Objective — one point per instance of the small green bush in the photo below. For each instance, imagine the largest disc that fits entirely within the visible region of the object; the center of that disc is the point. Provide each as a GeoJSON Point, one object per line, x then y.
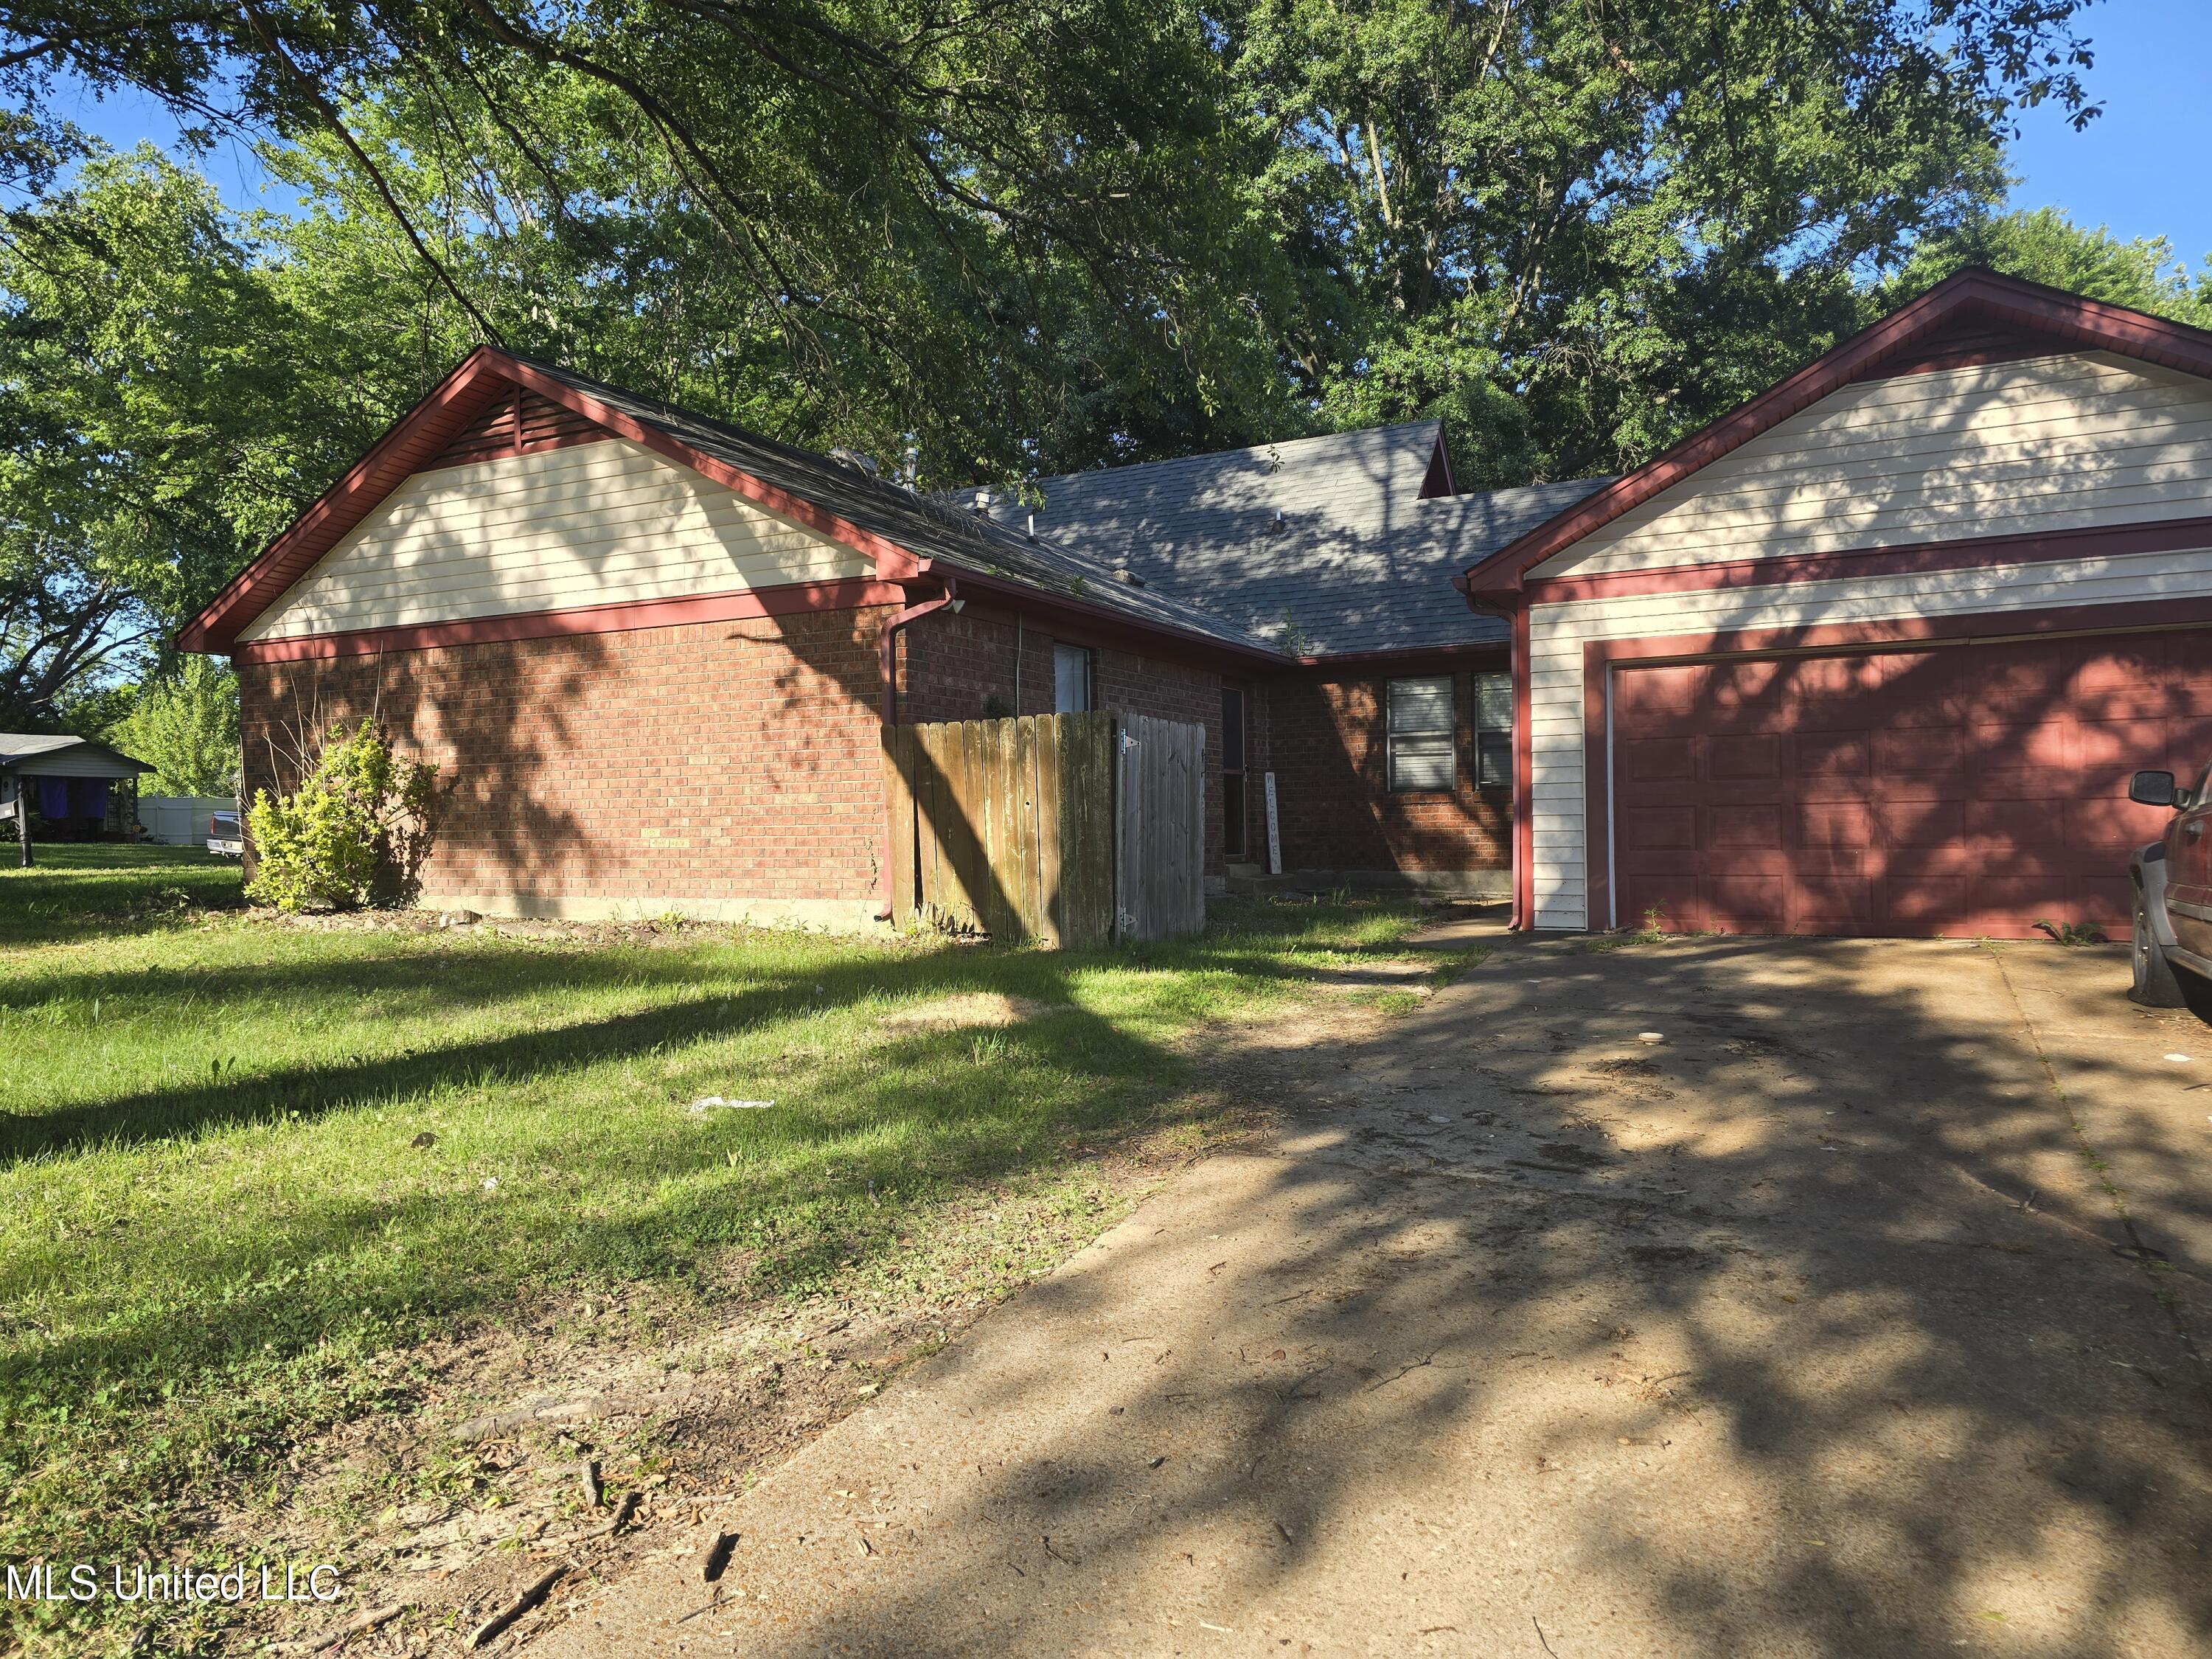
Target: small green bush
{"type": "Point", "coordinates": [359, 816]}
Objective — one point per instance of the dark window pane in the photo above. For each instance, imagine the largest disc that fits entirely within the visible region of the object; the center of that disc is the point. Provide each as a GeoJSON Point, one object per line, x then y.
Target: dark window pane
{"type": "Point", "coordinates": [1071, 679]}
{"type": "Point", "coordinates": [1496, 758]}
{"type": "Point", "coordinates": [1232, 815]}
{"type": "Point", "coordinates": [1232, 730]}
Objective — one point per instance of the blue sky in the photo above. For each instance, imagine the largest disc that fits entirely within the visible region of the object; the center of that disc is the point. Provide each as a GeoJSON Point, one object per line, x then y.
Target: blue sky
{"type": "Point", "coordinates": [2143, 169]}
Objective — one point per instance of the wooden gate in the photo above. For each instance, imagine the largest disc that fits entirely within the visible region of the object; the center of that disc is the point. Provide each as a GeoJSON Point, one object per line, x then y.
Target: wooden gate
{"type": "Point", "coordinates": [1159, 817]}
{"type": "Point", "coordinates": [1069, 829]}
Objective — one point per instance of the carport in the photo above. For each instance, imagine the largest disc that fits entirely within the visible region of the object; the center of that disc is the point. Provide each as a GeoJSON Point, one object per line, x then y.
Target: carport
{"type": "Point", "coordinates": [67, 783]}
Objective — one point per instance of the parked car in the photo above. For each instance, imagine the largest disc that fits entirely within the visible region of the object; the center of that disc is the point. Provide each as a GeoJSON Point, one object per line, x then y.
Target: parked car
{"type": "Point", "coordinates": [224, 836]}
{"type": "Point", "coordinates": [2173, 896]}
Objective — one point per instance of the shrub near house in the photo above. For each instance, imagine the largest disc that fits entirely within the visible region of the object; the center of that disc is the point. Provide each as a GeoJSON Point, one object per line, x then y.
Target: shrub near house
{"type": "Point", "coordinates": [358, 816]}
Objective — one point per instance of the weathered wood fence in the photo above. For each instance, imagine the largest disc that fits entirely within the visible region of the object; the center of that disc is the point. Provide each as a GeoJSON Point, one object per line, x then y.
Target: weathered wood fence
{"type": "Point", "coordinates": [1069, 829]}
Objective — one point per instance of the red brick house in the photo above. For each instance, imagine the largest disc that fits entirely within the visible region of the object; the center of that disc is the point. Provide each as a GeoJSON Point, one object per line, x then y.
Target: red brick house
{"type": "Point", "coordinates": [651, 654]}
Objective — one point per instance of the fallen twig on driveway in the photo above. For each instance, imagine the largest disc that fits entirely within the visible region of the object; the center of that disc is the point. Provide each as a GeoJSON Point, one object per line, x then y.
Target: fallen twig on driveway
{"type": "Point", "coordinates": [514, 1610]}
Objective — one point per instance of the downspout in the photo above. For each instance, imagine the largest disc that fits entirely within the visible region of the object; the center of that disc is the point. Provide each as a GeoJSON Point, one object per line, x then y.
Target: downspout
{"type": "Point", "coordinates": [1523, 830]}
{"type": "Point", "coordinates": [887, 666]}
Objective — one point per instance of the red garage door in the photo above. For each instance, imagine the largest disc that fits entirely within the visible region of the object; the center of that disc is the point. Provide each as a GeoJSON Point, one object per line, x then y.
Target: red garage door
{"type": "Point", "coordinates": [1967, 790]}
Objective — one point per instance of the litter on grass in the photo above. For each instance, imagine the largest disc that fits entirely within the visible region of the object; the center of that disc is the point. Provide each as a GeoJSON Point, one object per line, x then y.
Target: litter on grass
{"type": "Point", "coordinates": [717, 1102]}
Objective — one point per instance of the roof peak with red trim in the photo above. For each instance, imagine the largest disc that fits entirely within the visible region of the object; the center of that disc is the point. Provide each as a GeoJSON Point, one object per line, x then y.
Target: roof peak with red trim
{"type": "Point", "coordinates": [1983, 316]}
{"type": "Point", "coordinates": [905, 533]}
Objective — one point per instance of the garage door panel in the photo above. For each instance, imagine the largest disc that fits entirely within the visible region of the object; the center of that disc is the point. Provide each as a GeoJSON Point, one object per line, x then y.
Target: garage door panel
{"type": "Point", "coordinates": [1661, 828]}
{"type": "Point", "coordinates": [1937, 748]}
{"type": "Point", "coordinates": [1911, 904]}
{"type": "Point", "coordinates": [1745, 828]}
{"type": "Point", "coordinates": [1958, 790]}
{"type": "Point", "coordinates": [1834, 824]}
{"type": "Point", "coordinates": [1829, 904]}
{"type": "Point", "coordinates": [2117, 745]}
{"type": "Point", "coordinates": [1839, 754]}
{"type": "Point", "coordinates": [1657, 760]}
{"type": "Point", "coordinates": [1992, 827]}
{"type": "Point", "coordinates": [1673, 903]}
{"type": "Point", "coordinates": [1748, 904]}
{"type": "Point", "coordinates": [1736, 758]}
{"type": "Point", "coordinates": [2113, 821]}
{"type": "Point", "coordinates": [1920, 823]}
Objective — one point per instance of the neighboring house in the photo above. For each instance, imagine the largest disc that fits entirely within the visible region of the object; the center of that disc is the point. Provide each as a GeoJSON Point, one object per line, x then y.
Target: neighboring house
{"type": "Point", "coordinates": [652, 652]}
{"type": "Point", "coordinates": [1877, 652]}
{"type": "Point", "coordinates": [68, 784]}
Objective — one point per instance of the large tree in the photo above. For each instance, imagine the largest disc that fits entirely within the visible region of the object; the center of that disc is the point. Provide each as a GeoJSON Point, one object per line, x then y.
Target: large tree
{"type": "Point", "coordinates": [142, 380]}
{"type": "Point", "coordinates": [1038, 236]}
{"type": "Point", "coordinates": [1577, 228]}
{"type": "Point", "coordinates": [1024, 238]}
{"type": "Point", "coordinates": [2043, 246]}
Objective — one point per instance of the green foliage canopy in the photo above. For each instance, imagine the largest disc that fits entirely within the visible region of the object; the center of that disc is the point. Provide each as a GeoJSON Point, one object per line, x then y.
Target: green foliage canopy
{"type": "Point", "coordinates": [187, 729]}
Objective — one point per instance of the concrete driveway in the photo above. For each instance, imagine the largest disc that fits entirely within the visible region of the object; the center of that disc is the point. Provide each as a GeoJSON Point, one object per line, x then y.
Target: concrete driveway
{"type": "Point", "coordinates": [1859, 1315]}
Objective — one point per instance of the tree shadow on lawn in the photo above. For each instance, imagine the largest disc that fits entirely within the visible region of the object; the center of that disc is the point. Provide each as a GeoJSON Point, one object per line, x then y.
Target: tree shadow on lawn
{"type": "Point", "coordinates": [487, 977]}
{"type": "Point", "coordinates": [1744, 1345]}
{"type": "Point", "coordinates": [923, 1114]}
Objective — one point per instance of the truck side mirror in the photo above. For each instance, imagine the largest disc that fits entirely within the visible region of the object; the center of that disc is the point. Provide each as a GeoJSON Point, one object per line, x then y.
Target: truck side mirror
{"type": "Point", "coordinates": [2152, 789]}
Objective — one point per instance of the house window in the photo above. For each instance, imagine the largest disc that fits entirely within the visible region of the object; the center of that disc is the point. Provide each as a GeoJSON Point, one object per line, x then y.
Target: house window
{"type": "Point", "coordinates": [1071, 679]}
{"type": "Point", "coordinates": [1233, 831]}
{"type": "Point", "coordinates": [1420, 734]}
{"type": "Point", "coordinates": [1493, 731]}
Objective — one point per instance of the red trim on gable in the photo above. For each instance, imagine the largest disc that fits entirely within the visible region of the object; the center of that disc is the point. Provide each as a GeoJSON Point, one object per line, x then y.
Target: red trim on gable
{"type": "Point", "coordinates": [414, 439]}
{"type": "Point", "coordinates": [893, 562]}
{"type": "Point", "coordinates": [2068, 321]}
{"type": "Point", "coordinates": [425, 432]}
{"type": "Point", "coordinates": [783, 600]}
{"type": "Point", "coordinates": [2089, 541]}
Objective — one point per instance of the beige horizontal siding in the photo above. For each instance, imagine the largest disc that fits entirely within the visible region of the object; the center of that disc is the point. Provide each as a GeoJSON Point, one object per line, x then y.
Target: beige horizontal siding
{"type": "Point", "coordinates": [1558, 633]}
{"type": "Point", "coordinates": [2061, 442]}
{"type": "Point", "coordinates": [606, 523]}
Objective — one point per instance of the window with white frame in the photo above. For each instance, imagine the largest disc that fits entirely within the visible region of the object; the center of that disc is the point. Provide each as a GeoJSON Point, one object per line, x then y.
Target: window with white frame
{"type": "Point", "coordinates": [1420, 734]}
{"type": "Point", "coordinates": [1071, 679]}
{"type": "Point", "coordinates": [1493, 731]}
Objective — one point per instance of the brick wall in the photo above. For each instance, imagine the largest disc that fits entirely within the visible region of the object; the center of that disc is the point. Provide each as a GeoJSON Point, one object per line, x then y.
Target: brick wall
{"type": "Point", "coordinates": [1327, 746]}
{"type": "Point", "coordinates": [952, 664]}
{"type": "Point", "coordinates": [724, 768]}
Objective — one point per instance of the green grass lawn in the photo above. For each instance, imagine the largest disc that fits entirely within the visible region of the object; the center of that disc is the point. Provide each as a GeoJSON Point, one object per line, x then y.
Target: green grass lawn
{"type": "Point", "coordinates": [217, 1224]}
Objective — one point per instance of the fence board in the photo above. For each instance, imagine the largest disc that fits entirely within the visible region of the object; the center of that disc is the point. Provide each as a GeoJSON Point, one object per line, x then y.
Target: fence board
{"type": "Point", "coordinates": [1050, 807]}
{"type": "Point", "coordinates": [1048, 827]}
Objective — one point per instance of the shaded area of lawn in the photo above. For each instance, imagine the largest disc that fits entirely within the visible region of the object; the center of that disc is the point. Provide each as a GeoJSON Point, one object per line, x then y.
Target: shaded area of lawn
{"type": "Point", "coordinates": [215, 1212]}
{"type": "Point", "coordinates": [84, 890]}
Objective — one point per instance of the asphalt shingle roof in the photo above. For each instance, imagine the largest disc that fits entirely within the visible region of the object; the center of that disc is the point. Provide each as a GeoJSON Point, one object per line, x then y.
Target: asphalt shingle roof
{"type": "Point", "coordinates": [1322, 544]}
{"type": "Point", "coordinates": [1312, 546]}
